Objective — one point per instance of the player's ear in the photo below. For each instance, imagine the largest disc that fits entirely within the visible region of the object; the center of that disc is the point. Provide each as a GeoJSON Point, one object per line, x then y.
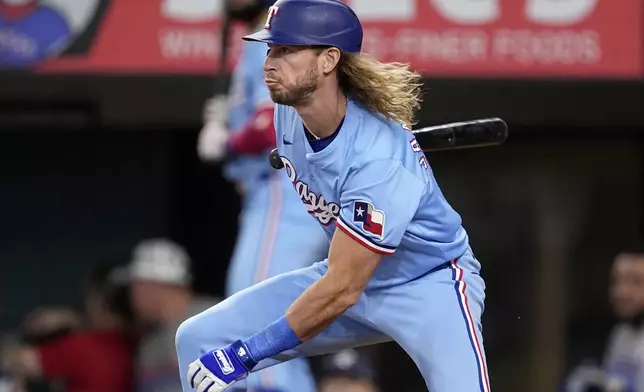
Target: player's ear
{"type": "Point", "coordinates": [330, 59]}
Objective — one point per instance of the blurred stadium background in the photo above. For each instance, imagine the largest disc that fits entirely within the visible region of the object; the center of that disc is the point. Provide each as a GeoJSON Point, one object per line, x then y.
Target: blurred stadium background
{"type": "Point", "coordinates": [99, 118]}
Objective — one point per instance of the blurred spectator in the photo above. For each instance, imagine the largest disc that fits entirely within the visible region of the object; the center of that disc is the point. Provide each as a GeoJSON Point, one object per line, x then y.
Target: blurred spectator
{"type": "Point", "coordinates": [623, 367]}
{"type": "Point", "coordinates": [161, 299]}
{"type": "Point", "coordinates": [95, 357]}
{"type": "Point", "coordinates": [624, 359]}
{"type": "Point", "coordinates": [46, 323]}
{"type": "Point", "coordinates": [347, 371]}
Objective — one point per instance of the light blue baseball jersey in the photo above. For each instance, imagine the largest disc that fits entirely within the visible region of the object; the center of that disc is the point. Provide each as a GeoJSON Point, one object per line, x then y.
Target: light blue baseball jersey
{"type": "Point", "coordinates": [373, 182]}
{"type": "Point", "coordinates": [248, 93]}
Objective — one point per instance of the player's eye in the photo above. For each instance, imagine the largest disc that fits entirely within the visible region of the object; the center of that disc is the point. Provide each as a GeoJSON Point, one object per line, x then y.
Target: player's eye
{"type": "Point", "coordinates": [279, 51]}
{"type": "Point", "coordinates": [276, 51]}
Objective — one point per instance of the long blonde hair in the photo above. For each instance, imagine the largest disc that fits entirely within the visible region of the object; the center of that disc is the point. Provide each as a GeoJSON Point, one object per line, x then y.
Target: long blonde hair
{"type": "Point", "coordinates": [390, 89]}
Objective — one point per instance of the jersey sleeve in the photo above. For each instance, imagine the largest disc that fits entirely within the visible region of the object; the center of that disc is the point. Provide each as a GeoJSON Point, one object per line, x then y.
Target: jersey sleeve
{"type": "Point", "coordinates": [378, 202]}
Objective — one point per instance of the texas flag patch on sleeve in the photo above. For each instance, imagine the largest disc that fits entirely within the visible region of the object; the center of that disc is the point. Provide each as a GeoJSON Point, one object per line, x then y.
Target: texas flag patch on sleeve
{"type": "Point", "coordinates": [372, 220]}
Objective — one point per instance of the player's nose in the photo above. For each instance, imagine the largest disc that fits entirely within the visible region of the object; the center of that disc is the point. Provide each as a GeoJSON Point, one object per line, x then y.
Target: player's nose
{"type": "Point", "coordinates": [269, 65]}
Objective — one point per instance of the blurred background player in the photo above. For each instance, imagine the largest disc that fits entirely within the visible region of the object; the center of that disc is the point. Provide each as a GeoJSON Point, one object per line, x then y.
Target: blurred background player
{"type": "Point", "coordinates": [624, 360]}
{"type": "Point", "coordinates": [161, 298]}
{"type": "Point", "coordinates": [273, 222]}
{"type": "Point", "coordinates": [347, 371]}
{"type": "Point", "coordinates": [623, 364]}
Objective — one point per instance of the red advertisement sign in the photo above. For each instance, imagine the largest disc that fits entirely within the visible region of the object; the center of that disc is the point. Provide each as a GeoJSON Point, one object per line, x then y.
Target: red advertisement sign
{"type": "Point", "coordinates": [452, 38]}
{"type": "Point", "coordinates": [549, 38]}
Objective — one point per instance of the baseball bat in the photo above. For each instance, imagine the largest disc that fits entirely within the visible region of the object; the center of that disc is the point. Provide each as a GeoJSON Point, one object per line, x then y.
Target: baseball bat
{"type": "Point", "coordinates": [221, 77]}
{"type": "Point", "coordinates": [459, 135]}
{"type": "Point", "coordinates": [465, 134]}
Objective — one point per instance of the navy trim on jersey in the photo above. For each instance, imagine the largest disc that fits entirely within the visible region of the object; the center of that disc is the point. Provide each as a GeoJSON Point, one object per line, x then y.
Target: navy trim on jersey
{"type": "Point", "coordinates": [364, 240]}
{"type": "Point", "coordinates": [318, 145]}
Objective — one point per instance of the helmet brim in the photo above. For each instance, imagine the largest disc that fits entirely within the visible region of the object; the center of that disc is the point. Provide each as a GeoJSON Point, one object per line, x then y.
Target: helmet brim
{"type": "Point", "coordinates": [270, 37]}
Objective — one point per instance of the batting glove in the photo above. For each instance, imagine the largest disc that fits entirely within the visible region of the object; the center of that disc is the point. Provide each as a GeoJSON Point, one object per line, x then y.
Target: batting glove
{"type": "Point", "coordinates": [213, 142]}
{"type": "Point", "coordinates": [213, 138]}
{"type": "Point", "coordinates": [217, 370]}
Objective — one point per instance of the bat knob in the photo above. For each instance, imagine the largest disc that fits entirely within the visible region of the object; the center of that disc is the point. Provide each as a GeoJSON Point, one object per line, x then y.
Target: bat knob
{"type": "Point", "coordinates": [275, 160]}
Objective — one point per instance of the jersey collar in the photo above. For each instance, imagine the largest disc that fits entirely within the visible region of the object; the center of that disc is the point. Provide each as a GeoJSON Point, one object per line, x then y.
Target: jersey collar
{"type": "Point", "coordinates": [351, 118]}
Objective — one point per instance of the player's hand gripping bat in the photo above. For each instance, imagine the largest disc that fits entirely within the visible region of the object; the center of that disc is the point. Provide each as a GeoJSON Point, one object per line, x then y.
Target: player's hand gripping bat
{"type": "Point", "coordinates": [466, 134]}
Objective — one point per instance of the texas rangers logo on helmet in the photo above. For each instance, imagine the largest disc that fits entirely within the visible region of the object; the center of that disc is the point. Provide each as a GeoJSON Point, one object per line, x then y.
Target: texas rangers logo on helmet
{"type": "Point", "coordinates": [311, 22]}
{"type": "Point", "coordinates": [272, 11]}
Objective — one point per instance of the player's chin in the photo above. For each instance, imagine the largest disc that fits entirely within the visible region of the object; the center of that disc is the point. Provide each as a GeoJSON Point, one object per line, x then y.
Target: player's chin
{"type": "Point", "coordinates": [279, 97]}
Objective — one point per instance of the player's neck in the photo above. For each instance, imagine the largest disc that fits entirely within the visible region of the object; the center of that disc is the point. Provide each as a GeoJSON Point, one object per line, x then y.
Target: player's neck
{"type": "Point", "coordinates": [323, 113]}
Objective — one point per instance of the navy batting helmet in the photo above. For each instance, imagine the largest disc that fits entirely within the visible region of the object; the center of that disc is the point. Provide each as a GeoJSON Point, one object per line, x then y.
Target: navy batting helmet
{"type": "Point", "coordinates": [311, 22]}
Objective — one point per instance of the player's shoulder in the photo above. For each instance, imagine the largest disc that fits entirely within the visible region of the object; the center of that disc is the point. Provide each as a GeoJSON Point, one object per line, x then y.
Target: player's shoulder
{"type": "Point", "coordinates": [375, 137]}
{"type": "Point", "coordinates": [376, 142]}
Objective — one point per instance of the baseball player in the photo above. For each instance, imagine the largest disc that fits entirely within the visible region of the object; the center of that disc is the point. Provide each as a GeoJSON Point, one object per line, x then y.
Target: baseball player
{"type": "Point", "coordinates": [272, 222]}
{"type": "Point", "coordinates": [399, 267]}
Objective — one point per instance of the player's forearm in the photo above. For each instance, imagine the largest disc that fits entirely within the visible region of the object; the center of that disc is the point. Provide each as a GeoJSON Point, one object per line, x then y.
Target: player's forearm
{"type": "Point", "coordinates": [350, 267]}
{"type": "Point", "coordinates": [319, 306]}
